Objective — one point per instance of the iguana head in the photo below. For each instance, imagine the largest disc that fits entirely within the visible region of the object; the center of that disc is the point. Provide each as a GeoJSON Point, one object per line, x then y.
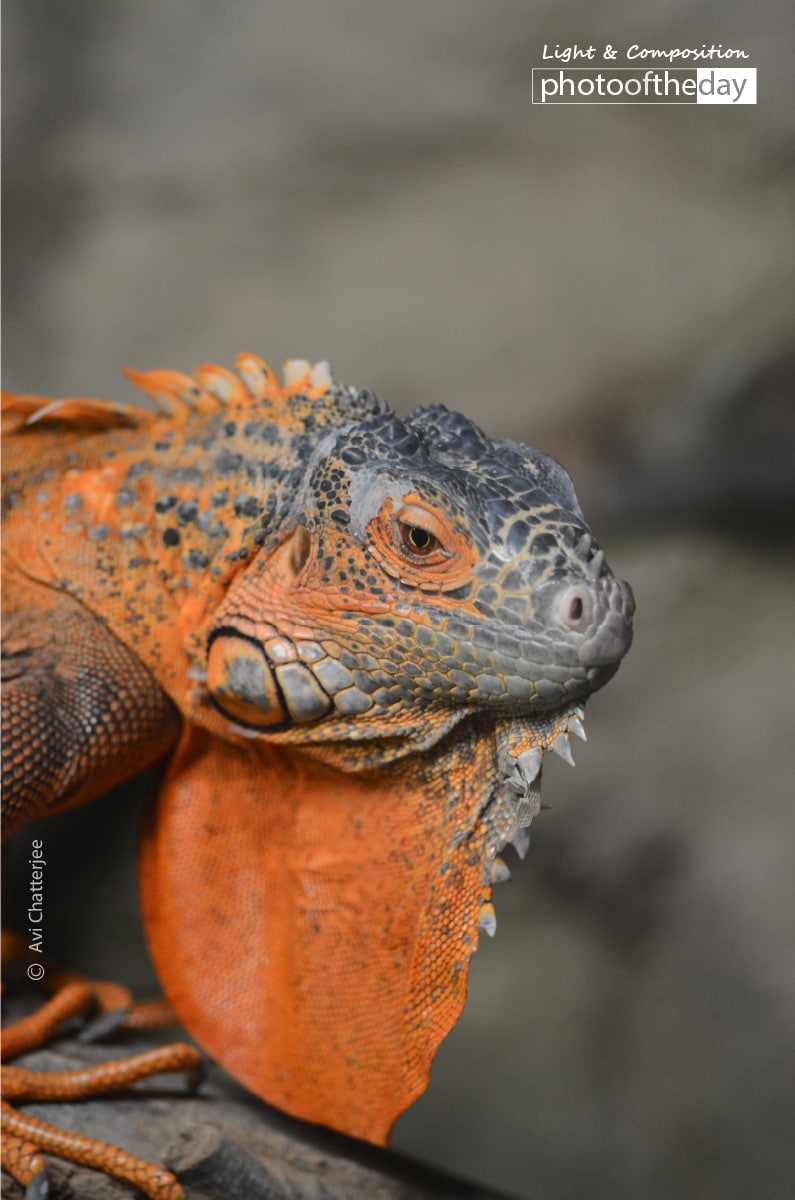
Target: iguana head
{"type": "Point", "coordinates": [429, 574]}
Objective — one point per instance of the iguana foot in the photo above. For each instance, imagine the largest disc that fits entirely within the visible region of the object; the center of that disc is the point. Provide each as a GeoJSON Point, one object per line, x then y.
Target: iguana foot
{"type": "Point", "coordinates": [136, 1017]}
{"type": "Point", "coordinates": [115, 1007]}
{"type": "Point", "coordinates": [25, 1138]}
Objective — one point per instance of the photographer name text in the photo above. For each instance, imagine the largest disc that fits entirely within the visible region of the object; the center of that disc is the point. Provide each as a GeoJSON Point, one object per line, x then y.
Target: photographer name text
{"type": "Point", "coordinates": [37, 864]}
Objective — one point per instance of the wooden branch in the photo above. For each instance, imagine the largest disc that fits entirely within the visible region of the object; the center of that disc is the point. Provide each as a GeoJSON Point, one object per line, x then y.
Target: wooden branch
{"type": "Point", "coordinates": [222, 1143]}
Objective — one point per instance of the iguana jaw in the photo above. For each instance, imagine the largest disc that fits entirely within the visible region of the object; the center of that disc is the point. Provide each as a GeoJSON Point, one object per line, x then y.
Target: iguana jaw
{"type": "Point", "coordinates": [371, 678]}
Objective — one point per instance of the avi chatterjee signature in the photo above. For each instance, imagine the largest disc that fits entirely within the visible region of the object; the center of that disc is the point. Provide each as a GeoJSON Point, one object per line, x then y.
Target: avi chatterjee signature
{"type": "Point", "coordinates": [37, 864]}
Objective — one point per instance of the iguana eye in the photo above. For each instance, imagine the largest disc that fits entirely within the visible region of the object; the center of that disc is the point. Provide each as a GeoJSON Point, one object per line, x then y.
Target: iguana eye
{"type": "Point", "coordinates": [422, 535]}
{"type": "Point", "coordinates": [418, 541]}
{"type": "Point", "coordinates": [419, 544]}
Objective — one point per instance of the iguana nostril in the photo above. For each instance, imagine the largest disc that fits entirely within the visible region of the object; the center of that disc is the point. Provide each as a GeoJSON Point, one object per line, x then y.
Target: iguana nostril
{"type": "Point", "coordinates": [576, 607]}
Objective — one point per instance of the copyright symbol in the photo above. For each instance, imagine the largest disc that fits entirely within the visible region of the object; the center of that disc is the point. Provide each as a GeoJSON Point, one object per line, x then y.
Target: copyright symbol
{"type": "Point", "coordinates": [35, 972]}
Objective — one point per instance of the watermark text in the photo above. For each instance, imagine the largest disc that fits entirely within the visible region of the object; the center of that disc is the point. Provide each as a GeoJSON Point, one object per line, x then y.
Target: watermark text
{"type": "Point", "coordinates": [644, 85]}
{"type": "Point", "coordinates": [37, 863]}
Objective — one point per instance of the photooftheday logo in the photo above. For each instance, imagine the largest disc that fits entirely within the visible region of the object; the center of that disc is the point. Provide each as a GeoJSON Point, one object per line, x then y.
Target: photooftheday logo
{"type": "Point", "coordinates": [644, 85]}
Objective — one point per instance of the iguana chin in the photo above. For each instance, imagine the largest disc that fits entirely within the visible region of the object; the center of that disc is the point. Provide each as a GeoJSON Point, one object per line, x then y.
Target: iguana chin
{"type": "Point", "coordinates": [356, 636]}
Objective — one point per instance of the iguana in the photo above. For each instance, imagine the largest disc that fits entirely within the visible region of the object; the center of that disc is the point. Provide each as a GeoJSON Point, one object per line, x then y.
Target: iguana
{"type": "Point", "coordinates": [354, 636]}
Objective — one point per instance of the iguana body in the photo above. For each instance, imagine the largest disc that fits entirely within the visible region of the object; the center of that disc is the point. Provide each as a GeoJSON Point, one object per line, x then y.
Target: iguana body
{"type": "Point", "coordinates": [355, 635]}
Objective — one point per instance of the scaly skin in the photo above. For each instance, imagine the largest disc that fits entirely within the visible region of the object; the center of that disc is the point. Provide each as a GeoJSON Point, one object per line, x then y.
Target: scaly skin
{"type": "Point", "coordinates": [356, 635]}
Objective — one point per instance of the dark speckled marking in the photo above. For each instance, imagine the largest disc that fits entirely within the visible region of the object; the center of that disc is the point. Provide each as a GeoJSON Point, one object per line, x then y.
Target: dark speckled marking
{"type": "Point", "coordinates": [190, 475]}
{"type": "Point", "coordinates": [226, 463]}
{"type": "Point", "coordinates": [171, 537]}
{"type": "Point", "coordinates": [246, 506]}
{"type": "Point", "coordinates": [187, 511]}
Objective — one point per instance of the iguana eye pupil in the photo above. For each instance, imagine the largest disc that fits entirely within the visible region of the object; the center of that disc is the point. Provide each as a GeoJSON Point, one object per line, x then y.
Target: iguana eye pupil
{"type": "Point", "coordinates": [417, 539]}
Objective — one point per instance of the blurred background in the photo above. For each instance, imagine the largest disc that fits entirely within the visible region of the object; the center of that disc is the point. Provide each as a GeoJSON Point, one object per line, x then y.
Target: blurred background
{"type": "Point", "coordinates": [370, 183]}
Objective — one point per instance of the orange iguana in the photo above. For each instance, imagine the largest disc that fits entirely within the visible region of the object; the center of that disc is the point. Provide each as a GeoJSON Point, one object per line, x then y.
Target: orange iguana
{"type": "Point", "coordinates": [354, 636]}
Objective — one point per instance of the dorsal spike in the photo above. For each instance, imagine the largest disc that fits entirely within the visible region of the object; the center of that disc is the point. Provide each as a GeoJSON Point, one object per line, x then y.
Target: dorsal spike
{"type": "Point", "coordinates": [172, 392]}
{"type": "Point", "coordinates": [222, 384]}
{"type": "Point", "coordinates": [307, 379]}
{"type": "Point", "coordinates": [80, 411]}
{"type": "Point", "coordinates": [296, 373]}
{"type": "Point", "coordinates": [260, 378]}
{"type": "Point", "coordinates": [321, 376]}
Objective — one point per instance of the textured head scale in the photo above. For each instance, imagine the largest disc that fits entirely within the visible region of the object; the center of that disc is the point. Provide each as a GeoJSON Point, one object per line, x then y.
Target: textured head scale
{"type": "Point", "coordinates": [430, 567]}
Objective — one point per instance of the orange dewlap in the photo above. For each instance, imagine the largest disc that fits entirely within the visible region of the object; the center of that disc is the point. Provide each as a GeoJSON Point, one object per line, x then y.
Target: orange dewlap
{"type": "Point", "coordinates": [315, 938]}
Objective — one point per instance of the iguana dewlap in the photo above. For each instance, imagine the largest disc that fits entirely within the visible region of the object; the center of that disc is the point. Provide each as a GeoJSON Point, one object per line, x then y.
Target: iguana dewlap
{"type": "Point", "coordinates": [355, 635]}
